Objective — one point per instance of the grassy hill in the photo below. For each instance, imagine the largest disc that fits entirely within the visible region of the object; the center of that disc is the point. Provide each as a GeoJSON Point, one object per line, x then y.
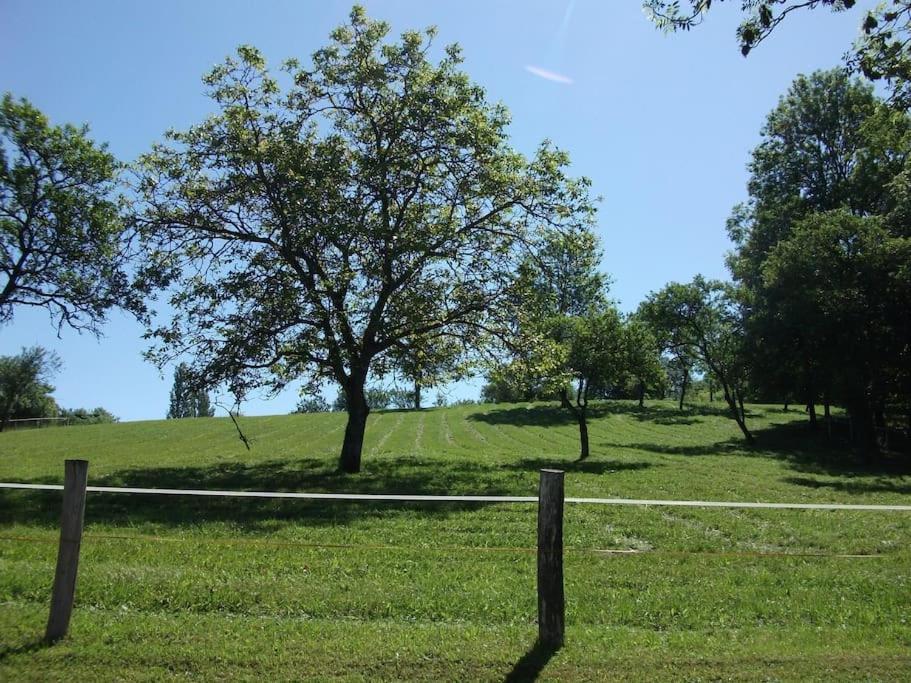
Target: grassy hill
{"type": "Point", "coordinates": [291, 589]}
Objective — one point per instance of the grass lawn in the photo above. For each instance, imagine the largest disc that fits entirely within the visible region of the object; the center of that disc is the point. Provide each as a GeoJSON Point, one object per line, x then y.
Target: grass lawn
{"type": "Point", "coordinates": [290, 589]}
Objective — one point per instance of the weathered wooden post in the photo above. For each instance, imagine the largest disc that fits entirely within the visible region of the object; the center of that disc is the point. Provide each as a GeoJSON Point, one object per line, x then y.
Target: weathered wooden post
{"type": "Point", "coordinates": [551, 607]}
{"type": "Point", "coordinates": [71, 518]}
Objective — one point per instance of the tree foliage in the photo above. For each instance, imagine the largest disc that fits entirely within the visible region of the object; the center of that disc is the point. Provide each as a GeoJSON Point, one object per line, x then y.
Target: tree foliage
{"type": "Point", "coordinates": [704, 320]}
{"type": "Point", "coordinates": [188, 399]}
{"type": "Point", "coordinates": [62, 241]}
{"type": "Point", "coordinates": [24, 384]}
{"type": "Point", "coordinates": [308, 232]}
{"type": "Point", "coordinates": [847, 280]}
{"type": "Point", "coordinates": [882, 50]}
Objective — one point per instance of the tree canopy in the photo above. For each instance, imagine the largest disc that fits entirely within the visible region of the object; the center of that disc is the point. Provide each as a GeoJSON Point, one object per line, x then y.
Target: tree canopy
{"type": "Point", "coordinates": [881, 51]}
{"type": "Point", "coordinates": [306, 231]}
{"type": "Point", "coordinates": [25, 384]}
{"type": "Point", "coordinates": [62, 240]}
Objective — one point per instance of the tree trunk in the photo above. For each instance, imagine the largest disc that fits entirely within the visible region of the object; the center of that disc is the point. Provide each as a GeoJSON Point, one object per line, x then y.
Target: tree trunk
{"type": "Point", "coordinates": [711, 393]}
{"type": "Point", "coordinates": [786, 406]}
{"type": "Point", "coordinates": [827, 413]}
{"type": "Point", "coordinates": [686, 377]}
{"type": "Point", "coordinates": [641, 394]}
{"type": "Point", "coordinates": [350, 459]}
{"type": "Point", "coordinates": [730, 397]}
{"type": "Point", "coordinates": [743, 412]}
{"type": "Point", "coordinates": [864, 426]}
{"type": "Point", "coordinates": [811, 411]}
{"type": "Point", "coordinates": [417, 395]}
{"type": "Point", "coordinates": [583, 434]}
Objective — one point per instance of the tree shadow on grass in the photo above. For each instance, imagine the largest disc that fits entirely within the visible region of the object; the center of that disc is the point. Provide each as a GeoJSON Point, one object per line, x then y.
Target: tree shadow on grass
{"type": "Point", "coordinates": [552, 415]}
{"type": "Point", "coordinates": [388, 476]}
{"type": "Point", "coordinates": [29, 646]}
{"type": "Point", "coordinates": [852, 486]}
{"type": "Point", "coordinates": [532, 663]}
{"type": "Point", "coordinates": [804, 450]}
{"type": "Point", "coordinates": [583, 466]}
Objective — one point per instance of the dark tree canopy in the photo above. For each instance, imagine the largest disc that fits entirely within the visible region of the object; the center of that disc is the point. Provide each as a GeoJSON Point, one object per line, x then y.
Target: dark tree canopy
{"type": "Point", "coordinates": [307, 231]}
{"type": "Point", "coordinates": [62, 244]}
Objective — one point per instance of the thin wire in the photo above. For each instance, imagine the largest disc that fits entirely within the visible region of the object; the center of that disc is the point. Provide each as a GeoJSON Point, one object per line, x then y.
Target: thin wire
{"type": "Point", "coordinates": [464, 499]}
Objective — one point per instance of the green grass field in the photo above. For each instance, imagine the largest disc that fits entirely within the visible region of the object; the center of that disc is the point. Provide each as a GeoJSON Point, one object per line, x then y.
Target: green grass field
{"type": "Point", "coordinates": [284, 590]}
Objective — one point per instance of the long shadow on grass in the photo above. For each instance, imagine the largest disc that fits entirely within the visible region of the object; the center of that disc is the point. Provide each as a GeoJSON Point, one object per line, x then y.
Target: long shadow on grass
{"type": "Point", "coordinates": [552, 415]}
{"type": "Point", "coordinates": [388, 475]}
{"type": "Point", "coordinates": [27, 647]}
{"type": "Point", "coordinates": [804, 450]}
{"type": "Point", "coordinates": [532, 664]}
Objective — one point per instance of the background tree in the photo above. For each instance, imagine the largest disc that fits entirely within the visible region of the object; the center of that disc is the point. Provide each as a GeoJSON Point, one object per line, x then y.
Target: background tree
{"type": "Point", "coordinates": [846, 279]}
{"type": "Point", "coordinates": [306, 234]}
{"type": "Point", "coordinates": [83, 416]}
{"type": "Point", "coordinates": [829, 144]}
{"type": "Point", "coordinates": [24, 388]}
{"type": "Point", "coordinates": [187, 398]}
{"type": "Point", "coordinates": [312, 404]}
{"type": "Point", "coordinates": [704, 320]}
{"type": "Point", "coordinates": [426, 362]}
{"type": "Point", "coordinates": [62, 242]}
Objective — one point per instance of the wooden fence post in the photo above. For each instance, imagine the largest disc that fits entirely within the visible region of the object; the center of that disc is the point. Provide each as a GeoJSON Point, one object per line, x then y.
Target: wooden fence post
{"type": "Point", "coordinates": [551, 607]}
{"type": "Point", "coordinates": [71, 518]}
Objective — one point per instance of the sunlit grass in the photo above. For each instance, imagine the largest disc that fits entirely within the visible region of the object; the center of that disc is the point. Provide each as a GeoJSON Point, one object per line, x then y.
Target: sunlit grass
{"type": "Point", "coordinates": [290, 589]}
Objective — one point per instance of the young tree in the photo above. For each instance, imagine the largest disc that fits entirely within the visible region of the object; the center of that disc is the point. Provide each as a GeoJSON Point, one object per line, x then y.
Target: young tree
{"type": "Point", "coordinates": [305, 234]}
{"type": "Point", "coordinates": [703, 320]}
{"type": "Point", "coordinates": [187, 398]}
{"type": "Point", "coordinates": [62, 244]}
{"type": "Point", "coordinates": [426, 362]}
{"type": "Point", "coordinates": [24, 388]}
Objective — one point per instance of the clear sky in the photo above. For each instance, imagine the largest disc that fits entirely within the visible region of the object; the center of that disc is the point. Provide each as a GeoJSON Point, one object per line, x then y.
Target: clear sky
{"type": "Point", "coordinates": [662, 124]}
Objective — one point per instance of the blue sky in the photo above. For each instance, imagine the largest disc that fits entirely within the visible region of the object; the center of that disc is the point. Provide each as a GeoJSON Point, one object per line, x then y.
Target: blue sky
{"type": "Point", "coordinates": [662, 124]}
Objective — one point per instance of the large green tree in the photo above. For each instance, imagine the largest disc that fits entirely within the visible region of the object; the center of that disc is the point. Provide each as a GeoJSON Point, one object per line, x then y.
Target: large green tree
{"type": "Point", "coordinates": [829, 144]}
{"type": "Point", "coordinates": [307, 230]}
{"type": "Point", "coordinates": [847, 280]}
{"type": "Point", "coordinates": [24, 385]}
{"type": "Point", "coordinates": [62, 240]}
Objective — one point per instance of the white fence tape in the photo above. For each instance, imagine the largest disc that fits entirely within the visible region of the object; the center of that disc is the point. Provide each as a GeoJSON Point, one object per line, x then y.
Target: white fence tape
{"type": "Point", "coordinates": [463, 499]}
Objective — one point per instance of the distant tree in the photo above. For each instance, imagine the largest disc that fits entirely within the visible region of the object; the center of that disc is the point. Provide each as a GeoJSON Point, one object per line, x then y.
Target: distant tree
{"type": "Point", "coordinates": [24, 388]}
{"type": "Point", "coordinates": [187, 398]}
{"type": "Point", "coordinates": [312, 404]}
{"type": "Point", "coordinates": [62, 244]}
{"type": "Point", "coordinates": [642, 361]}
{"type": "Point", "coordinates": [425, 362]}
{"type": "Point", "coordinates": [306, 234]}
{"type": "Point", "coordinates": [704, 319]}
{"type": "Point", "coordinates": [82, 416]}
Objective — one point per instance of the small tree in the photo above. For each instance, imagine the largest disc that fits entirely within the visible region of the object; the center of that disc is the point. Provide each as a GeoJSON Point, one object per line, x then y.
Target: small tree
{"type": "Point", "coordinates": [312, 404]}
{"type": "Point", "coordinates": [187, 398]}
{"type": "Point", "coordinates": [62, 245]}
{"type": "Point", "coordinates": [24, 387]}
{"type": "Point", "coordinates": [703, 320]}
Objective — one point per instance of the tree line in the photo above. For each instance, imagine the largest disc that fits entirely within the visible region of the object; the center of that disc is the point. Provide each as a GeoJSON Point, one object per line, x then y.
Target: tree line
{"type": "Point", "coordinates": [365, 215]}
